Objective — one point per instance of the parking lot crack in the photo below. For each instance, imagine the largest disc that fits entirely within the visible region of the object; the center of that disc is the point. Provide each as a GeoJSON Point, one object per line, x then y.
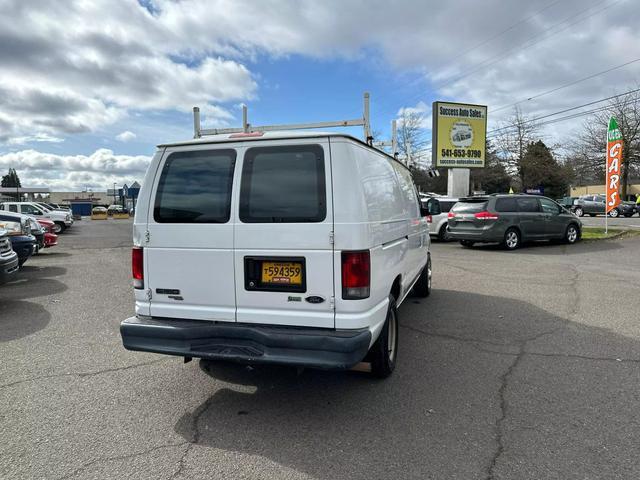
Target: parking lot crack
{"type": "Point", "coordinates": [195, 437]}
{"type": "Point", "coordinates": [584, 357]}
{"type": "Point", "coordinates": [118, 369]}
{"type": "Point", "coordinates": [456, 338]}
{"type": "Point", "coordinates": [81, 374]}
{"type": "Point", "coordinates": [119, 457]}
{"type": "Point", "coordinates": [499, 431]}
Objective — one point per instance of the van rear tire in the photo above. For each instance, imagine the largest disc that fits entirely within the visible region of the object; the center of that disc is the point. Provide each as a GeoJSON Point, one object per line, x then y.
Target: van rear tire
{"type": "Point", "coordinates": [383, 352]}
{"type": "Point", "coordinates": [422, 287]}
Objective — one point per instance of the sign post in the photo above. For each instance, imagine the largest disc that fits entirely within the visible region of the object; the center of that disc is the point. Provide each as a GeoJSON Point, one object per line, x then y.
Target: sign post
{"type": "Point", "coordinates": [459, 142]}
{"type": "Point", "coordinates": [613, 168]}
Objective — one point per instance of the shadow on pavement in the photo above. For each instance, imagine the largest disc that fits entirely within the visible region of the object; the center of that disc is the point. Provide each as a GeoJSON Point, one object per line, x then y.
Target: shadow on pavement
{"type": "Point", "coordinates": [21, 319]}
{"type": "Point", "coordinates": [32, 281]}
{"type": "Point", "coordinates": [439, 415]}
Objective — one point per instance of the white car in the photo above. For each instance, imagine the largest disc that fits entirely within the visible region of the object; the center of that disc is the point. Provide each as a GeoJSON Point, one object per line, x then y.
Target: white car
{"type": "Point", "coordinates": [439, 226]}
{"type": "Point", "coordinates": [62, 220]}
{"type": "Point", "coordinates": [277, 247]}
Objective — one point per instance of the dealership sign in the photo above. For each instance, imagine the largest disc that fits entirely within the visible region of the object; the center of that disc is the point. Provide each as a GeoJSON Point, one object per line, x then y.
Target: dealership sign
{"type": "Point", "coordinates": [614, 161]}
{"type": "Point", "coordinates": [459, 135]}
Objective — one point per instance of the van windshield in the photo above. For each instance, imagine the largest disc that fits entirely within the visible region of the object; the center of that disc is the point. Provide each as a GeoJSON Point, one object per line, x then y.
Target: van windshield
{"type": "Point", "coordinates": [283, 184]}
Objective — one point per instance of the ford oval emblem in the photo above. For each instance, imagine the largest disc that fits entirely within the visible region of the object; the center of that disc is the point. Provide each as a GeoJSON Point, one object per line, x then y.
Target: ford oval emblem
{"type": "Point", "coordinates": [314, 299]}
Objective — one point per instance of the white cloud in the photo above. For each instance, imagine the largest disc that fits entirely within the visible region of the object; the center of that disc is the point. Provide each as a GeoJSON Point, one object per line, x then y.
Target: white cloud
{"type": "Point", "coordinates": [126, 136]}
{"type": "Point", "coordinates": [77, 66]}
{"type": "Point", "coordinates": [81, 66]}
{"type": "Point", "coordinates": [75, 172]}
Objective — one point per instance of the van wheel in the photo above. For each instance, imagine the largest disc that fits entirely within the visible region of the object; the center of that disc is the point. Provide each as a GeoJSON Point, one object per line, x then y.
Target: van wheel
{"type": "Point", "coordinates": [579, 212]}
{"type": "Point", "coordinates": [422, 288]}
{"type": "Point", "coordinates": [511, 239]}
{"type": "Point", "coordinates": [384, 351]}
{"type": "Point", "coordinates": [58, 227]}
{"type": "Point", "coordinates": [466, 243]}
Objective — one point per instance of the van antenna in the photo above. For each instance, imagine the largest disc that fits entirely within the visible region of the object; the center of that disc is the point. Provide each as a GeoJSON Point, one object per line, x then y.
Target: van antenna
{"type": "Point", "coordinates": [364, 122]}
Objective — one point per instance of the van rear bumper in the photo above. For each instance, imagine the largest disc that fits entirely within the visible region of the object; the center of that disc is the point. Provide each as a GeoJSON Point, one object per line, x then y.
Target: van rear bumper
{"type": "Point", "coordinates": [247, 343]}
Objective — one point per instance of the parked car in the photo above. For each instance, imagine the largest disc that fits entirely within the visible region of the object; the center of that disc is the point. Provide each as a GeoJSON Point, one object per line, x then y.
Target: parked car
{"type": "Point", "coordinates": [511, 220]}
{"type": "Point", "coordinates": [38, 233]}
{"type": "Point", "coordinates": [628, 209]}
{"type": "Point", "coordinates": [63, 220]}
{"type": "Point", "coordinates": [57, 206]}
{"type": "Point", "coordinates": [98, 210]}
{"type": "Point", "coordinates": [316, 240]}
{"type": "Point", "coordinates": [439, 225]}
{"type": "Point", "coordinates": [22, 242]}
{"type": "Point", "coordinates": [8, 258]}
{"type": "Point", "coordinates": [50, 238]}
{"type": "Point", "coordinates": [567, 202]}
{"type": "Point", "coordinates": [114, 209]}
{"type": "Point", "coordinates": [595, 205]}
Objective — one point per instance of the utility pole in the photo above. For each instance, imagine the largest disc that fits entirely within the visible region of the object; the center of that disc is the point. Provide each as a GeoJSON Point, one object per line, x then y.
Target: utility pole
{"type": "Point", "coordinates": [114, 193]}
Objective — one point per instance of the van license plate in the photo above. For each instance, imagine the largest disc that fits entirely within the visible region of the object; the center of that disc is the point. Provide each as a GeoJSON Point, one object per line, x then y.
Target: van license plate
{"type": "Point", "coordinates": [281, 273]}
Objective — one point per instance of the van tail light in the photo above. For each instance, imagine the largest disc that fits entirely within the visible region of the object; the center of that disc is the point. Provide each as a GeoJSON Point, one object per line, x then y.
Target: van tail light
{"type": "Point", "coordinates": [356, 275]}
{"type": "Point", "coordinates": [137, 267]}
{"type": "Point", "coordinates": [486, 215]}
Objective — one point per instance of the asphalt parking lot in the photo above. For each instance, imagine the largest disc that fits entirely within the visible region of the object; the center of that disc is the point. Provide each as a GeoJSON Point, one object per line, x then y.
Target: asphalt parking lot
{"type": "Point", "coordinates": [598, 221]}
{"type": "Point", "coordinates": [521, 365]}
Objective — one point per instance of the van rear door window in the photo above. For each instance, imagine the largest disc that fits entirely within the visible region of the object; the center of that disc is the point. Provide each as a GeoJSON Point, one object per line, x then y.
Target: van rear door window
{"type": "Point", "coordinates": [472, 206]}
{"type": "Point", "coordinates": [283, 184]}
{"type": "Point", "coordinates": [195, 187]}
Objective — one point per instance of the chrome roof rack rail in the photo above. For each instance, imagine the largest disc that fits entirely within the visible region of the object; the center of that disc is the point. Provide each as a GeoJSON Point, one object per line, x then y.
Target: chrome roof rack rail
{"type": "Point", "coordinates": [364, 122]}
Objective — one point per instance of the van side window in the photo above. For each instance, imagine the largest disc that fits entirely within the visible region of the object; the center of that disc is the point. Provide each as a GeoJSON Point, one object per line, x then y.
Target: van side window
{"type": "Point", "coordinates": [408, 190]}
{"type": "Point", "coordinates": [381, 188]}
{"type": "Point", "coordinates": [528, 204]}
{"type": "Point", "coordinates": [506, 205]}
{"type": "Point", "coordinates": [283, 184]}
{"type": "Point", "coordinates": [195, 187]}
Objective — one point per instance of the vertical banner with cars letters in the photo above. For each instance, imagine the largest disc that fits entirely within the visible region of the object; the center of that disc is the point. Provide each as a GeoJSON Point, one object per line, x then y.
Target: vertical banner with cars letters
{"type": "Point", "coordinates": [613, 168]}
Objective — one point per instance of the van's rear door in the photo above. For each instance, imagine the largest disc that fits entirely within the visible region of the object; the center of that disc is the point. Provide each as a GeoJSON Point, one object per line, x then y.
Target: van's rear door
{"type": "Point", "coordinates": [189, 252]}
{"type": "Point", "coordinates": [283, 235]}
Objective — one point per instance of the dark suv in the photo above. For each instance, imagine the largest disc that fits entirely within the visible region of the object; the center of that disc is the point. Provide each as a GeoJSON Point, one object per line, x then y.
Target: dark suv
{"type": "Point", "coordinates": [510, 220]}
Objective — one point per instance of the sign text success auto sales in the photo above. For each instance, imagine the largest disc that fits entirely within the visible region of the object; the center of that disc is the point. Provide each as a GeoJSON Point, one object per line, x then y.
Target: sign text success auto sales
{"type": "Point", "coordinates": [461, 112]}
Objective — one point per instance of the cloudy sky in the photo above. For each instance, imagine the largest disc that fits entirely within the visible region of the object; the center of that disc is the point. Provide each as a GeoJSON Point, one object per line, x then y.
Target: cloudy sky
{"type": "Point", "coordinates": [89, 87]}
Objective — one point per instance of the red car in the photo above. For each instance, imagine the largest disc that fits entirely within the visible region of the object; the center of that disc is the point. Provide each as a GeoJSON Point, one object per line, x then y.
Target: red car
{"type": "Point", "coordinates": [50, 238]}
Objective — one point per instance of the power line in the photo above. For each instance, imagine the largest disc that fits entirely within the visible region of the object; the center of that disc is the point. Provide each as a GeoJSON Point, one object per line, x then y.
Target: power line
{"type": "Point", "coordinates": [567, 110]}
{"type": "Point", "coordinates": [567, 85]}
{"type": "Point", "coordinates": [484, 42]}
{"type": "Point", "coordinates": [492, 60]}
{"type": "Point", "coordinates": [508, 29]}
{"type": "Point", "coordinates": [499, 57]}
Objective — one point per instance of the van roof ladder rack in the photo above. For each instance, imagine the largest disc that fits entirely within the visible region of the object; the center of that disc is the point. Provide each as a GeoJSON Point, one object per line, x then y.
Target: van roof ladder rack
{"type": "Point", "coordinates": [199, 132]}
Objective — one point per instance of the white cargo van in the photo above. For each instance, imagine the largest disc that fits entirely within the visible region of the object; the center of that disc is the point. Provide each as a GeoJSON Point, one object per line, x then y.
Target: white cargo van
{"type": "Point", "coordinates": [276, 247]}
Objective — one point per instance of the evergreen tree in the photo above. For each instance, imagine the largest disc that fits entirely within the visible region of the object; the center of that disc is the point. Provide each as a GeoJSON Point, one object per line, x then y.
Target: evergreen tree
{"type": "Point", "coordinates": [539, 168]}
{"type": "Point", "coordinates": [11, 179]}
